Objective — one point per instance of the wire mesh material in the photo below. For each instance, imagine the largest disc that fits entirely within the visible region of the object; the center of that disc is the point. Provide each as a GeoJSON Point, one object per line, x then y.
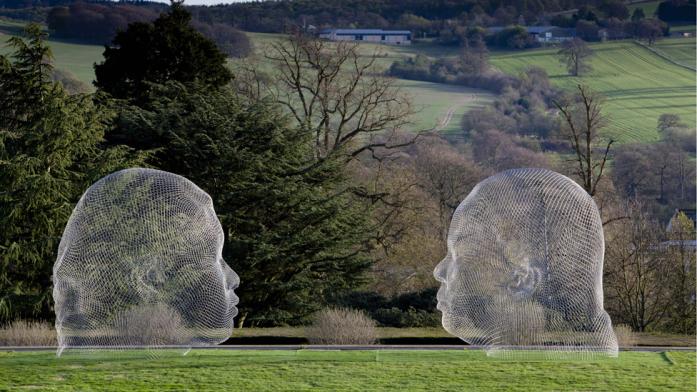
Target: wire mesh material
{"type": "Point", "coordinates": [140, 265]}
{"type": "Point", "coordinates": [523, 273]}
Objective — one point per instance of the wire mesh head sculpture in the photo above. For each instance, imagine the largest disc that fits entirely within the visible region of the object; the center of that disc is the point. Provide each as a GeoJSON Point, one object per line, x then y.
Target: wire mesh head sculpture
{"type": "Point", "coordinates": [523, 274]}
{"type": "Point", "coordinates": [140, 264]}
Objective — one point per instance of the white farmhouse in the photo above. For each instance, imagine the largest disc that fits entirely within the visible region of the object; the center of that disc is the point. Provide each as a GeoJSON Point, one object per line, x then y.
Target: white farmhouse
{"type": "Point", "coordinates": [394, 37]}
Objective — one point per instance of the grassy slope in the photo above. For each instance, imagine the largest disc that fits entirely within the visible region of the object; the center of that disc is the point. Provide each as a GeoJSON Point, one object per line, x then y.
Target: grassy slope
{"type": "Point", "coordinates": [680, 50]}
{"type": "Point", "coordinates": [649, 7]}
{"type": "Point", "coordinates": [345, 370]}
{"type": "Point", "coordinates": [638, 84]}
{"type": "Point", "coordinates": [77, 59]}
{"type": "Point", "coordinates": [432, 100]}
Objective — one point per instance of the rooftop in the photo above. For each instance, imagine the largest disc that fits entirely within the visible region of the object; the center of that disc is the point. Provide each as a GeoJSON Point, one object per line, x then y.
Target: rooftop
{"type": "Point", "coordinates": [365, 32]}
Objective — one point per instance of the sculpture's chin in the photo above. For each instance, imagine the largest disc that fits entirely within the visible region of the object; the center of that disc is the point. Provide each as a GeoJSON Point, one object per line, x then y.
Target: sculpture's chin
{"type": "Point", "coordinates": [448, 322]}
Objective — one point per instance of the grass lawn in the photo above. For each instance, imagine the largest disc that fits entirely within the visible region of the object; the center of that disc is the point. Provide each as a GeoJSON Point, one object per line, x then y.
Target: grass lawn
{"type": "Point", "coordinates": [638, 84]}
{"type": "Point", "coordinates": [344, 370]}
{"type": "Point", "coordinates": [649, 7]}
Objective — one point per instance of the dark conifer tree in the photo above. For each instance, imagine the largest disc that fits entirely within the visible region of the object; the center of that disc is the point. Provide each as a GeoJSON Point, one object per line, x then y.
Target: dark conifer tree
{"type": "Point", "coordinates": [50, 152]}
{"type": "Point", "coordinates": [169, 49]}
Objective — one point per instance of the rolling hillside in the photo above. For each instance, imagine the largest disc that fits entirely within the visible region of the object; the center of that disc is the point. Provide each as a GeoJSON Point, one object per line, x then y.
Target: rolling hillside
{"type": "Point", "coordinates": [75, 58]}
{"type": "Point", "coordinates": [439, 106]}
{"type": "Point", "coordinates": [639, 85]}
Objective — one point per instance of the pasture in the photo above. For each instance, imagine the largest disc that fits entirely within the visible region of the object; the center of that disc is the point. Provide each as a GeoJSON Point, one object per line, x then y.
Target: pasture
{"type": "Point", "coordinates": [302, 370]}
{"type": "Point", "coordinates": [680, 50]}
{"type": "Point", "coordinates": [75, 58]}
{"type": "Point", "coordinates": [638, 84]}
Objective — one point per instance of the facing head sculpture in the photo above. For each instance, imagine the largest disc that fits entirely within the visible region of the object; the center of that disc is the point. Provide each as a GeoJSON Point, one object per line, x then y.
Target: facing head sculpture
{"type": "Point", "coordinates": [524, 267]}
{"type": "Point", "coordinates": [140, 264]}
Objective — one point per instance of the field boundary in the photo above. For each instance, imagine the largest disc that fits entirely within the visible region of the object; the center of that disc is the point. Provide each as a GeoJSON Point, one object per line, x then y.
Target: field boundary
{"type": "Point", "coordinates": [664, 56]}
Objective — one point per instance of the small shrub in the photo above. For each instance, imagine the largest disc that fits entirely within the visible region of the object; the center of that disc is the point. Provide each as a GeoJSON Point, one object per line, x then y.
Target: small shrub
{"type": "Point", "coordinates": [157, 324]}
{"type": "Point", "coordinates": [28, 333]}
{"type": "Point", "coordinates": [341, 326]}
{"type": "Point", "coordinates": [625, 336]}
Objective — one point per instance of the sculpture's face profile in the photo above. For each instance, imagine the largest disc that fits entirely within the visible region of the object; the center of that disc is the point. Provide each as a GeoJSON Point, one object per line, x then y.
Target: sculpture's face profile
{"type": "Point", "coordinates": [524, 266]}
{"type": "Point", "coordinates": [140, 264]}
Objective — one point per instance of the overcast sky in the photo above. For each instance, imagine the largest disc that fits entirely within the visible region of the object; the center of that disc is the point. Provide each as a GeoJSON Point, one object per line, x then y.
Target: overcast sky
{"type": "Point", "coordinates": [206, 2]}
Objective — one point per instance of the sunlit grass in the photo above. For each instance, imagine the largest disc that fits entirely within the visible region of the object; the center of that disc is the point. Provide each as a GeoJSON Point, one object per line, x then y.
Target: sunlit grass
{"type": "Point", "coordinates": [344, 370]}
{"type": "Point", "coordinates": [638, 84]}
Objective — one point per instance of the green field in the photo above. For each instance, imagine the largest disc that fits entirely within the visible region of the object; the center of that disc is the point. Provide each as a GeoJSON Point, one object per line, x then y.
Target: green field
{"type": "Point", "coordinates": [680, 50]}
{"type": "Point", "coordinates": [343, 370]}
{"type": "Point", "coordinates": [639, 85]}
{"type": "Point", "coordinates": [649, 7]}
{"type": "Point", "coordinates": [442, 105]}
{"type": "Point", "coordinates": [75, 58]}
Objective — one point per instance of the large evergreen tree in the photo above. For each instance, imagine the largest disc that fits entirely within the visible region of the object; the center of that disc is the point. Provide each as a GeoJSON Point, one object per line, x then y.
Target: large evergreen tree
{"type": "Point", "coordinates": [291, 235]}
{"type": "Point", "coordinates": [49, 153]}
{"type": "Point", "coordinates": [167, 49]}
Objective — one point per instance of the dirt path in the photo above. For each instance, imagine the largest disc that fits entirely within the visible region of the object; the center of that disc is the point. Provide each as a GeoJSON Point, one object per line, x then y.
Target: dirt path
{"type": "Point", "coordinates": [443, 122]}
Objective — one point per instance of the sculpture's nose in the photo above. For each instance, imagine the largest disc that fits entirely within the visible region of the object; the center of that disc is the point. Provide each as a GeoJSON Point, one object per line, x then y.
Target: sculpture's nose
{"type": "Point", "coordinates": [441, 270]}
{"type": "Point", "coordinates": [232, 280]}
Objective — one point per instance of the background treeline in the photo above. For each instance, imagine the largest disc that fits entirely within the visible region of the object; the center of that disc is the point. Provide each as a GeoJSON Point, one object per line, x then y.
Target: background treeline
{"type": "Point", "coordinates": [448, 22]}
{"type": "Point", "coordinates": [99, 22]}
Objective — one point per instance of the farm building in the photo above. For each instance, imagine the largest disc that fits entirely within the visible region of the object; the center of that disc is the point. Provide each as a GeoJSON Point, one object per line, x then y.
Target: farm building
{"type": "Point", "coordinates": [542, 34]}
{"type": "Point", "coordinates": [550, 33]}
{"type": "Point", "coordinates": [395, 37]}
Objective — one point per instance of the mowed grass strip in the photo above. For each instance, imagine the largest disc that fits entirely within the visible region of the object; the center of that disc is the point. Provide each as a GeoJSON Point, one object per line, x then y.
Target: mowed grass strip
{"type": "Point", "coordinates": [680, 50]}
{"type": "Point", "coordinates": [343, 370]}
{"type": "Point", "coordinates": [638, 84]}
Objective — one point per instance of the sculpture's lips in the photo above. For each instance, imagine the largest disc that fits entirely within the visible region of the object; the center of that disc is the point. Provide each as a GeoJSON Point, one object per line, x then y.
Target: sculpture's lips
{"type": "Point", "coordinates": [234, 300]}
{"type": "Point", "coordinates": [442, 304]}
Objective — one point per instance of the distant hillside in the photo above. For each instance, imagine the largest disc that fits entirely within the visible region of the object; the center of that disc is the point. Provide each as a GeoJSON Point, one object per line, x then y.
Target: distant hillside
{"type": "Point", "coordinates": [639, 85]}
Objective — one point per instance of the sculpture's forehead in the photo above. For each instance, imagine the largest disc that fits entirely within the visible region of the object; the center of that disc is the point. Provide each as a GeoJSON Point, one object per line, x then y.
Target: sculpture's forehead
{"type": "Point", "coordinates": [521, 204]}
{"type": "Point", "coordinates": [145, 186]}
{"type": "Point", "coordinates": [144, 208]}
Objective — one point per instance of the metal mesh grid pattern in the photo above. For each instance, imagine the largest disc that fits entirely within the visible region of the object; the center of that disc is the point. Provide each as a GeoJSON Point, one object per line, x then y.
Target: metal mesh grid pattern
{"type": "Point", "coordinates": [523, 273]}
{"type": "Point", "coordinates": [140, 265]}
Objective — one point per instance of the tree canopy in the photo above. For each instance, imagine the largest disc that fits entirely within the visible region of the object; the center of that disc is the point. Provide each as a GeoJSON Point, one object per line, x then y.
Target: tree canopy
{"type": "Point", "coordinates": [167, 49]}
{"type": "Point", "coordinates": [291, 231]}
{"type": "Point", "coordinates": [50, 151]}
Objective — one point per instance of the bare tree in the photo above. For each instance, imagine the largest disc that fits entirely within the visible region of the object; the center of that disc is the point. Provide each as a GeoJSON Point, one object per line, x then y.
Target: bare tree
{"type": "Point", "coordinates": [333, 91]}
{"type": "Point", "coordinates": [680, 250]}
{"type": "Point", "coordinates": [667, 121]}
{"type": "Point", "coordinates": [575, 53]}
{"type": "Point", "coordinates": [350, 113]}
{"type": "Point", "coordinates": [635, 270]}
{"type": "Point", "coordinates": [583, 120]}
{"type": "Point", "coordinates": [447, 175]}
{"type": "Point", "coordinates": [501, 151]}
